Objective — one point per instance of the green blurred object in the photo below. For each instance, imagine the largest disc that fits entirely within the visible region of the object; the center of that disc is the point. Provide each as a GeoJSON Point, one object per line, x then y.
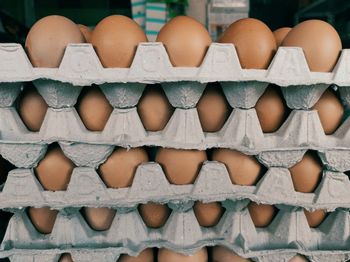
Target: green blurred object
{"type": "Point", "coordinates": [174, 7]}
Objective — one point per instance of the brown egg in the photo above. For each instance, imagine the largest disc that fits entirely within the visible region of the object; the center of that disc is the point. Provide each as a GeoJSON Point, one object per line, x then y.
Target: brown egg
{"type": "Point", "coordinates": [154, 215]}
{"type": "Point", "coordinates": [66, 257]}
{"type": "Point", "coordinates": [94, 109]}
{"type": "Point", "coordinates": [306, 174]}
{"type": "Point", "coordinates": [86, 31]}
{"type": "Point", "coordinates": [254, 42]}
{"type": "Point", "coordinates": [180, 166]}
{"type": "Point", "coordinates": [315, 36]}
{"type": "Point", "coordinates": [315, 218]}
{"type": "Point", "coordinates": [43, 219]}
{"type": "Point", "coordinates": [166, 255]}
{"type": "Point", "coordinates": [271, 110]}
{"type": "Point", "coordinates": [145, 256]}
{"type": "Point", "coordinates": [186, 41]}
{"type": "Point", "coordinates": [99, 218]}
{"type": "Point", "coordinates": [54, 170]}
{"type": "Point", "coordinates": [223, 254]}
{"type": "Point", "coordinates": [330, 111]}
{"type": "Point", "coordinates": [243, 169]}
{"type": "Point", "coordinates": [48, 38]}
{"type": "Point", "coordinates": [115, 39]}
{"type": "Point", "coordinates": [298, 258]}
{"type": "Point", "coordinates": [32, 109]}
{"type": "Point", "coordinates": [208, 214]}
{"type": "Point", "coordinates": [213, 109]}
{"type": "Point", "coordinates": [120, 167]}
{"type": "Point", "coordinates": [280, 34]}
{"type": "Point", "coordinates": [154, 108]}
{"type": "Point", "coordinates": [261, 215]}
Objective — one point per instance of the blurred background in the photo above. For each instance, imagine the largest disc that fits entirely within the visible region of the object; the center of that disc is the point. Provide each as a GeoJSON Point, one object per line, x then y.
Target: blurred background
{"type": "Point", "coordinates": [17, 16]}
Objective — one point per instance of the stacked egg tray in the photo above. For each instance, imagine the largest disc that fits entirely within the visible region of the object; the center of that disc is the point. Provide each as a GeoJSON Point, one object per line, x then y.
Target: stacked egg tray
{"type": "Point", "coordinates": [288, 234]}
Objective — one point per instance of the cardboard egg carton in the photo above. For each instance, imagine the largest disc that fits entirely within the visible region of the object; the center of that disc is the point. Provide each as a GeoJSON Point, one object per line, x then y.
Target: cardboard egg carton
{"type": "Point", "coordinates": [150, 183]}
{"type": "Point", "coordinates": [287, 234]}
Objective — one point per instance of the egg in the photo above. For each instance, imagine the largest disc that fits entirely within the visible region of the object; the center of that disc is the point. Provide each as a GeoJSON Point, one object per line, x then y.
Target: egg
{"type": "Point", "coordinates": [186, 41]}
{"type": "Point", "coordinates": [145, 256]}
{"type": "Point", "coordinates": [154, 108]}
{"type": "Point", "coordinates": [243, 169]}
{"type": "Point", "coordinates": [115, 39]}
{"type": "Point", "coordinates": [180, 166]}
{"type": "Point", "coordinates": [280, 34]}
{"type": "Point", "coordinates": [261, 215]}
{"type": "Point", "coordinates": [298, 258]}
{"type": "Point", "coordinates": [213, 108]}
{"type": "Point", "coordinates": [330, 111]}
{"type": "Point", "coordinates": [223, 254]}
{"type": "Point", "coordinates": [32, 108]}
{"type": "Point", "coordinates": [119, 169]}
{"type": "Point", "coordinates": [99, 218]}
{"type": "Point", "coordinates": [307, 173]}
{"type": "Point", "coordinates": [43, 219]}
{"type": "Point", "coordinates": [166, 255]}
{"type": "Point", "coordinates": [86, 31]}
{"type": "Point", "coordinates": [208, 214]}
{"type": "Point", "coordinates": [271, 110]}
{"type": "Point", "coordinates": [48, 38]}
{"type": "Point", "coordinates": [255, 43]}
{"type": "Point", "coordinates": [94, 108]}
{"type": "Point", "coordinates": [66, 258]}
{"type": "Point", "coordinates": [154, 215]}
{"type": "Point", "coordinates": [315, 218]}
{"type": "Point", "coordinates": [54, 170]}
{"type": "Point", "coordinates": [314, 37]}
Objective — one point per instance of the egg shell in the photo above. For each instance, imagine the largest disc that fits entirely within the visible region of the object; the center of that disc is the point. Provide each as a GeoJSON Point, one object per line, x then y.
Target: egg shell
{"type": "Point", "coordinates": [180, 166]}
{"type": "Point", "coordinates": [271, 110]}
{"type": "Point", "coordinates": [223, 254]}
{"type": "Point", "coordinates": [314, 37]}
{"type": "Point", "coordinates": [99, 218]}
{"type": "Point", "coordinates": [298, 258]}
{"type": "Point", "coordinates": [154, 108]}
{"type": "Point", "coordinates": [330, 111]}
{"type": "Point", "coordinates": [307, 173]}
{"type": "Point", "coordinates": [243, 169]}
{"type": "Point", "coordinates": [54, 170]}
{"type": "Point", "coordinates": [115, 39]}
{"type": "Point", "coordinates": [146, 255]}
{"type": "Point", "coordinates": [213, 109]}
{"type": "Point", "coordinates": [208, 214]}
{"type": "Point", "coordinates": [94, 109]}
{"type": "Point", "coordinates": [166, 255]}
{"type": "Point", "coordinates": [186, 41]}
{"type": "Point", "coordinates": [66, 257]}
{"type": "Point", "coordinates": [43, 219]}
{"type": "Point", "coordinates": [261, 215]}
{"type": "Point", "coordinates": [119, 169]}
{"type": "Point", "coordinates": [154, 215]}
{"type": "Point", "coordinates": [254, 42]}
{"type": "Point", "coordinates": [48, 38]}
{"type": "Point", "coordinates": [32, 109]}
{"type": "Point", "coordinates": [315, 218]}
{"type": "Point", "coordinates": [86, 31]}
{"type": "Point", "coordinates": [280, 34]}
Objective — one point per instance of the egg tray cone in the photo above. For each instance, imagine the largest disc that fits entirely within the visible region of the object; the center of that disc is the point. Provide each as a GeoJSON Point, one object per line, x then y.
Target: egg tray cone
{"type": "Point", "coordinates": [289, 232]}
{"type": "Point", "coordinates": [213, 183]}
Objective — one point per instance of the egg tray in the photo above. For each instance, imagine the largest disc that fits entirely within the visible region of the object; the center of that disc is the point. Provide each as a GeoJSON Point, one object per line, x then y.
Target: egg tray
{"type": "Point", "coordinates": [288, 232]}
{"type": "Point", "coordinates": [81, 66]}
{"type": "Point", "coordinates": [213, 183]}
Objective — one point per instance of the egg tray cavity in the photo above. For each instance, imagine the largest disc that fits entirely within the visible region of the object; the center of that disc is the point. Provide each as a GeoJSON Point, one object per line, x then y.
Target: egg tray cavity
{"type": "Point", "coordinates": [213, 183]}
{"type": "Point", "coordinates": [289, 233]}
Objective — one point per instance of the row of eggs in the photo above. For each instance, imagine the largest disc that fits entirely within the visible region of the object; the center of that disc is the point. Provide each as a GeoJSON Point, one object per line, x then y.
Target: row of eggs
{"type": "Point", "coordinates": [214, 254]}
{"type": "Point", "coordinates": [115, 39]}
{"type": "Point", "coordinates": [155, 110]}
